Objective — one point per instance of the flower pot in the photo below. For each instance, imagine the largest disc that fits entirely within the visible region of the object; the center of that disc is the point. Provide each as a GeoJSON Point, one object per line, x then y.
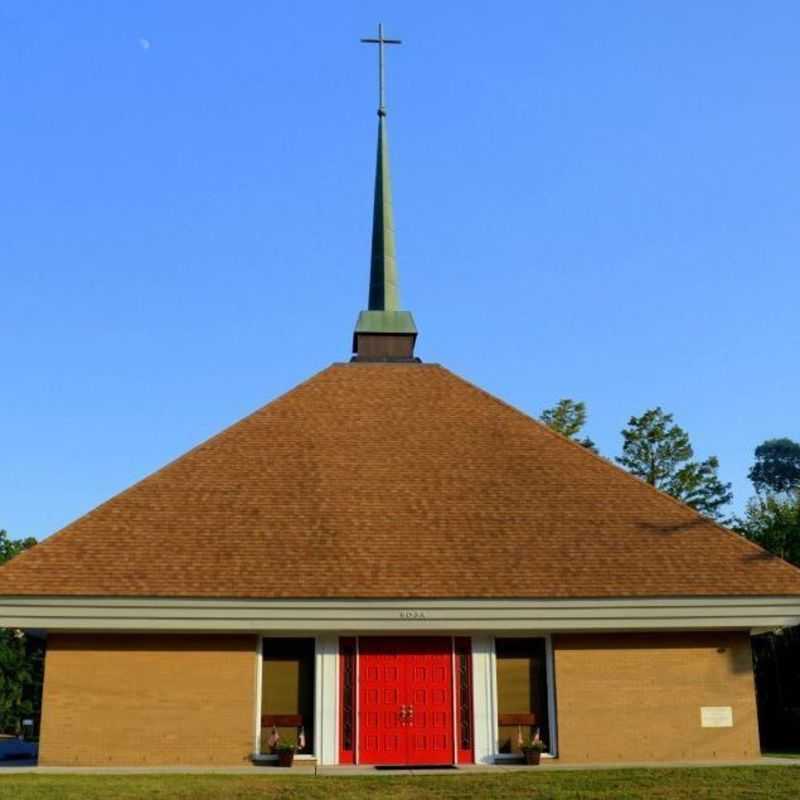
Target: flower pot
{"type": "Point", "coordinates": [285, 758]}
{"type": "Point", "coordinates": [532, 756]}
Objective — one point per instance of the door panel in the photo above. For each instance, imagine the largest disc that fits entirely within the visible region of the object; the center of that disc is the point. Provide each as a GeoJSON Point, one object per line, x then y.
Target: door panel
{"type": "Point", "coordinates": [382, 737]}
{"type": "Point", "coordinates": [405, 700]}
{"type": "Point", "coordinates": [429, 684]}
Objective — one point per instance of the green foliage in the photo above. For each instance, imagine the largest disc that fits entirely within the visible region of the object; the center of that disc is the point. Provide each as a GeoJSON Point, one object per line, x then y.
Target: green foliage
{"type": "Point", "coordinates": [17, 675]}
{"type": "Point", "coordinates": [698, 485]}
{"type": "Point", "coordinates": [11, 547]}
{"type": "Point", "coordinates": [773, 522]}
{"type": "Point", "coordinates": [21, 661]}
{"type": "Point", "coordinates": [653, 448]}
{"type": "Point", "coordinates": [568, 417]}
{"type": "Point", "coordinates": [772, 518]}
{"type": "Point", "coordinates": [777, 466]}
{"type": "Point", "coordinates": [658, 451]}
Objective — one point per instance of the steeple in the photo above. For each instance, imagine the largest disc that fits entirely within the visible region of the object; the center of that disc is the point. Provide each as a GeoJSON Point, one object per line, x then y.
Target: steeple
{"type": "Point", "coordinates": [383, 332]}
{"type": "Point", "coordinates": [383, 289]}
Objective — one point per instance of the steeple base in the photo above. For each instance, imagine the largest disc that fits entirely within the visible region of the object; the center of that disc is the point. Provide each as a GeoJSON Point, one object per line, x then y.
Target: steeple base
{"type": "Point", "coordinates": [384, 347]}
{"type": "Point", "coordinates": [384, 336]}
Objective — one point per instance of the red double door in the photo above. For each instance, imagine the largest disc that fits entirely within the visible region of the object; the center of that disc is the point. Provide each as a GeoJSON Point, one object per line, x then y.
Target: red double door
{"type": "Point", "coordinates": [405, 700]}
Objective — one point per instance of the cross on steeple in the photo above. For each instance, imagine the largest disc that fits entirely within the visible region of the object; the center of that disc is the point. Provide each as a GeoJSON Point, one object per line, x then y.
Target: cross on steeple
{"type": "Point", "coordinates": [381, 41]}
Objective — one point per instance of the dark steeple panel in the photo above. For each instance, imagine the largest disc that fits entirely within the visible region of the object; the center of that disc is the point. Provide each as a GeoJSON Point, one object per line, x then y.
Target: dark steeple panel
{"type": "Point", "coordinates": [383, 332]}
{"type": "Point", "coordinates": [383, 290]}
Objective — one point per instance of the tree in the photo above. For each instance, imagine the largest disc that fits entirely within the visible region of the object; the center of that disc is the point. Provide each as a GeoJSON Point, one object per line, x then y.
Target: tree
{"type": "Point", "coordinates": [21, 660]}
{"type": "Point", "coordinates": [568, 417]}
{"type": "Point", "coordinates": [772, 518]}
{"type": "Point", "coordinates": [777, 466]}
{"type": "Point", "coordinates": [658, 451]}
{"type": "Point", "coordinates": [11, 547]}
{"type": "Point", "coordinates": [773, 522]}
{"type": "Point", "coordinates": [16, 678]}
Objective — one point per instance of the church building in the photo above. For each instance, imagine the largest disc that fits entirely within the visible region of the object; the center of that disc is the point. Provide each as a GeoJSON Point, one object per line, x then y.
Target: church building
{"type": "Point", "coordinates": [390, 566]}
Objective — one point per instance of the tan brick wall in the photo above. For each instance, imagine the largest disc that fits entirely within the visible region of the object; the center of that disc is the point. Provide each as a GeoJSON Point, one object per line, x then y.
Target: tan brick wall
{"type": "Point", "coordinates": [148, 699]}
{"type": "Point", "coordinates": [637, 697]}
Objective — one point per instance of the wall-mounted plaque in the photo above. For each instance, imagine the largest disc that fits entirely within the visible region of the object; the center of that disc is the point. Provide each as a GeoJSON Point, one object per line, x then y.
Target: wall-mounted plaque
{"type": "Point", "coordinates": [716, 716]}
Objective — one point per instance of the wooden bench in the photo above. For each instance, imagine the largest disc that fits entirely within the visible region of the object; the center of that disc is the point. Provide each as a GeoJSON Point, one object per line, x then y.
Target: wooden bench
{"type": "Point", "coordinates": [281, 720]}
{"type": "Point", "coordinates": [504, 720]}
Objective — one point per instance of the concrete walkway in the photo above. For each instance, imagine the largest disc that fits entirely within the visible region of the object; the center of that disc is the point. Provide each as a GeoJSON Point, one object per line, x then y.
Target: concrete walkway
{"type": "Point", "coordinates": [547, 765]}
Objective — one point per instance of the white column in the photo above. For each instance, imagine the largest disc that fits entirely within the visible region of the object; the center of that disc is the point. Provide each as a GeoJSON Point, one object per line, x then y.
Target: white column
{"type": "Point", "coordinates": [258, 667]}
{"type": "Point", "coordinates": [327, 700]}
{"type": "Point", "coordinates": [551, 695]}
{"type": "Point", "coordinates": [484, 698]}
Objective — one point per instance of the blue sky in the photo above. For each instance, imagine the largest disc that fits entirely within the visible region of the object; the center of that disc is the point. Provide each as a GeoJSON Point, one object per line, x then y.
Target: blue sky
{"type": "Point", "coordinates": [592, 200]}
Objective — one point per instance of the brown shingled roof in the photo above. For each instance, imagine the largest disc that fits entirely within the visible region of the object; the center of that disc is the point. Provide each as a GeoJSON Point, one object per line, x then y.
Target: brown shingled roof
{"type": "Point", "coordinates": [393, 480]}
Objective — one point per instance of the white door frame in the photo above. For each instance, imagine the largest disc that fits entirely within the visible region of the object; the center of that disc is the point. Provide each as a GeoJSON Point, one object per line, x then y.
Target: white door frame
{"type": "Point", "coordinates": [489, 752]}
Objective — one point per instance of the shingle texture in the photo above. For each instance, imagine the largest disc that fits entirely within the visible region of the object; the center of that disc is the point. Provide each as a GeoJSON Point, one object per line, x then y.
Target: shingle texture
{"type": "Point", "coordinates": [393, 480]}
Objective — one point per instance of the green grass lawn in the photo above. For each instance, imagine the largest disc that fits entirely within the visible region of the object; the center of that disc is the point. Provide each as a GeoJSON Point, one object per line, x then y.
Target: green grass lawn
{"type": "Point", "coordinates": [735, 783]}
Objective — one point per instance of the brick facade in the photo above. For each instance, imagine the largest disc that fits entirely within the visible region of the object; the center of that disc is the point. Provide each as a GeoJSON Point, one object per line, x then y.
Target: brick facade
{"type": "Point", "coordinates": [637, 697]}
{"type": "Point", "coordinates": [148, 699]}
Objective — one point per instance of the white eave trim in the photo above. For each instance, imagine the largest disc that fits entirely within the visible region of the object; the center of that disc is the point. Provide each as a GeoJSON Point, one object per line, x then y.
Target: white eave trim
{"type": "Point", "coordinates": [625, 614]}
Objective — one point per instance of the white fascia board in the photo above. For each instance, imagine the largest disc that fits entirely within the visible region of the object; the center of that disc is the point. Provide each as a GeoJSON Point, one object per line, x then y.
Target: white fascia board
{"type": "Point", "coordinates": [531, 616]}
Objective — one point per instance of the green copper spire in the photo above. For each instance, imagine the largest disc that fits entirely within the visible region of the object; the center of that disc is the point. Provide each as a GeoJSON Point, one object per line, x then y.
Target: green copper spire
{"type": "Point", "coordinates": [383, 331]}
{"type": "Point", "coordinates": [383, 290]}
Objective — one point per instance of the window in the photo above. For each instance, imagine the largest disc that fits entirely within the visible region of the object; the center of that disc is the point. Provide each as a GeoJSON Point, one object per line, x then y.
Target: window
{"type": "Point", "coordinates": [347, 699]}
{"type": "Point", "coordinates": [287, 692]}
{"type": "Point", "coordinates": [521, 692]}
{"type": "Point", "coordinates": [463, 659]}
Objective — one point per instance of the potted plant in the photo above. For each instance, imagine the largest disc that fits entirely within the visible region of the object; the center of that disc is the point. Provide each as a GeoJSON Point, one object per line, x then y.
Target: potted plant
{"type": "Point", "coordinates": [532, 748]}
{"type": "Point", "coordinates": [285, 753]}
